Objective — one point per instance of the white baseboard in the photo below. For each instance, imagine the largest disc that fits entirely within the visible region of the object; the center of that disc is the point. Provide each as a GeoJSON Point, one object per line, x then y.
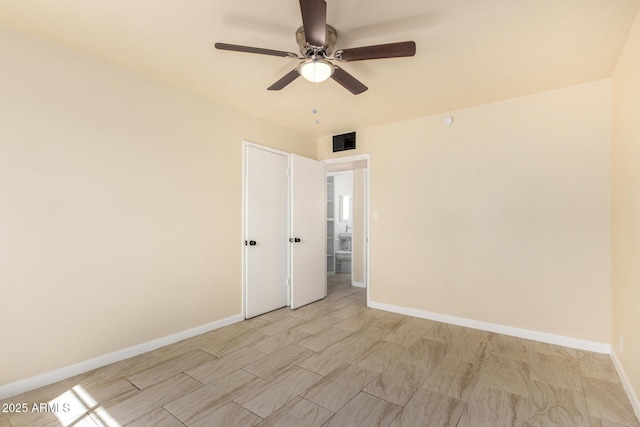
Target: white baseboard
{"type": "Point", "coordinates": [47, 378]}
{"type": "Point", "coordinates": [500, 329]}
{"type": "Point", "coordinates": [359, 284]}
{"type": "Point", "coordinates": [628, 387]}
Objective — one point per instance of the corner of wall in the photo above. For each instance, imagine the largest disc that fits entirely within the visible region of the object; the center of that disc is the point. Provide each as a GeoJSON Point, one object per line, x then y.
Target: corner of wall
{"type": "Point", "coordinates": [625, 205]}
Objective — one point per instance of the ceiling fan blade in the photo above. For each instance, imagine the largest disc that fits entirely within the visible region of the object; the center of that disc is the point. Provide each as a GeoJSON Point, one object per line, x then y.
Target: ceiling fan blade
{"type": "Point", "coordinates": [390, 50]}
{"type": "Point", "coordinates": [349, 82]}
{"type": "Point", "coordinates": [248, 49]}
{"type": "Point", "coordinates": [288, 78]}
{"type": "Point", "coordinates": [314, 21]}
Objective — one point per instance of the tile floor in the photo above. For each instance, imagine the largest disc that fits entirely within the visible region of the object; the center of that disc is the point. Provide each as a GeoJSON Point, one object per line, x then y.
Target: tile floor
{"type": "Point", "coordinates": [338, 363]}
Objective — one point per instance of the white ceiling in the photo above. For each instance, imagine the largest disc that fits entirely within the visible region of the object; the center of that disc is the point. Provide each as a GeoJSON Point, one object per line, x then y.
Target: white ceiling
{"type": "Point", "coordinates": [469, 52]}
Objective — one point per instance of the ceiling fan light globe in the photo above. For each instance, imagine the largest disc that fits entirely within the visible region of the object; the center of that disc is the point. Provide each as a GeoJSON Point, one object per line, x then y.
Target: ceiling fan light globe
{"type": "Point", "coordinates": [316, 70]}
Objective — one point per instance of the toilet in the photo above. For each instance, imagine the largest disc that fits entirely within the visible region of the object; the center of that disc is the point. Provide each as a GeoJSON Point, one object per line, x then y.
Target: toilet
{"type": "Point", "coordinates": [343, 253]}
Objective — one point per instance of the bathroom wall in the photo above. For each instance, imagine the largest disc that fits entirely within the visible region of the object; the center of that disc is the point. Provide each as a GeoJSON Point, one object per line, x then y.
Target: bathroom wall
{"type": "Point", "coordinates": [343, 184]}
{"type": "Point", "coordinates": [358, 242]}
{"type": "Point", "coordinates": [343, 187]}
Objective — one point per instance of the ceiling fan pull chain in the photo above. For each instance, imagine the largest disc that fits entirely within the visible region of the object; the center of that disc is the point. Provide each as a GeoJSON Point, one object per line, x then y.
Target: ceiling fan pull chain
{"type": "Point", "coordinates": [315, 102]}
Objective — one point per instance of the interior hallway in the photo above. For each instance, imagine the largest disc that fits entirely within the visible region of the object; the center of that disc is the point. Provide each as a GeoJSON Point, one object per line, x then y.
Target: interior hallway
{"type": "Point", "coordinates": [338, 282]}
{"type": "Point", "coordinates": [338, 363]}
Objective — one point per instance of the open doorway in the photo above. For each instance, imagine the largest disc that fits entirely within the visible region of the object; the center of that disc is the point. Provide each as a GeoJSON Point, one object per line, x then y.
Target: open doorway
{"type": "Point", "coordinates": [340, 219]}
{"type": "Point", "coordinates": [347, 223]}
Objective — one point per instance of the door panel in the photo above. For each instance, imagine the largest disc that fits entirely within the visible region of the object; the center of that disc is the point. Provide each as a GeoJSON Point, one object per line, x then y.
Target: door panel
{"type": "Point", "coordinates": [308, 223]}
{"type": "Point", "coordinates": [266, 228]}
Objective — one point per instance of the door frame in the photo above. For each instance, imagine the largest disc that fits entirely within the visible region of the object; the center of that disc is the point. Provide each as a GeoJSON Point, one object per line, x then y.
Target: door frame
{"type": "Point", "coordinates": [367, 209]}
{"type": "Point", "coordinates": [336, 207]}
{"type": "Point", "coordinates": [245, 145]}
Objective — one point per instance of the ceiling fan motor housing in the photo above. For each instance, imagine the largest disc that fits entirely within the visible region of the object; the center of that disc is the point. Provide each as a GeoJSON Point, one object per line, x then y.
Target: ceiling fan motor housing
{"type": "Point", "coordinates": [331, 35]}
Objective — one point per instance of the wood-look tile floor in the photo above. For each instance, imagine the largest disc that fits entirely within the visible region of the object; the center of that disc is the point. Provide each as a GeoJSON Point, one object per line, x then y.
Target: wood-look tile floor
{"type": "Point", "coordinates": [338, 363]}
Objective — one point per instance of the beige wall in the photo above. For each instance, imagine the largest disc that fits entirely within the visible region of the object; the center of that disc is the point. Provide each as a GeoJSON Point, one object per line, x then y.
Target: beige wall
{"type": "Point", "coordinates": [120, 207]}
{"type": "Point", "coordinates": [625, 213]}
{"type": "Point", "coordinates": [503, 217]}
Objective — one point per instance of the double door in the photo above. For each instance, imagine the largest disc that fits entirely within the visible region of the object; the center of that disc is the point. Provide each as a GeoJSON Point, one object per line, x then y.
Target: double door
{"type": "Point", "coordinates": [284, 231]}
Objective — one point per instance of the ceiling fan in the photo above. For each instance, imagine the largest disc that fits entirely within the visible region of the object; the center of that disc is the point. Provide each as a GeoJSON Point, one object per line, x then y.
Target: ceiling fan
{"type": "Point", "coordinates": [316, 40]}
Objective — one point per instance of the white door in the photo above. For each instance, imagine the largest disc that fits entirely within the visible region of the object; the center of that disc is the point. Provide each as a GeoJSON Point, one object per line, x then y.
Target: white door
{"type": "Point", "coordinates": [308, 239]}
{"type": "Point", "coordinates": [266, 231]}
